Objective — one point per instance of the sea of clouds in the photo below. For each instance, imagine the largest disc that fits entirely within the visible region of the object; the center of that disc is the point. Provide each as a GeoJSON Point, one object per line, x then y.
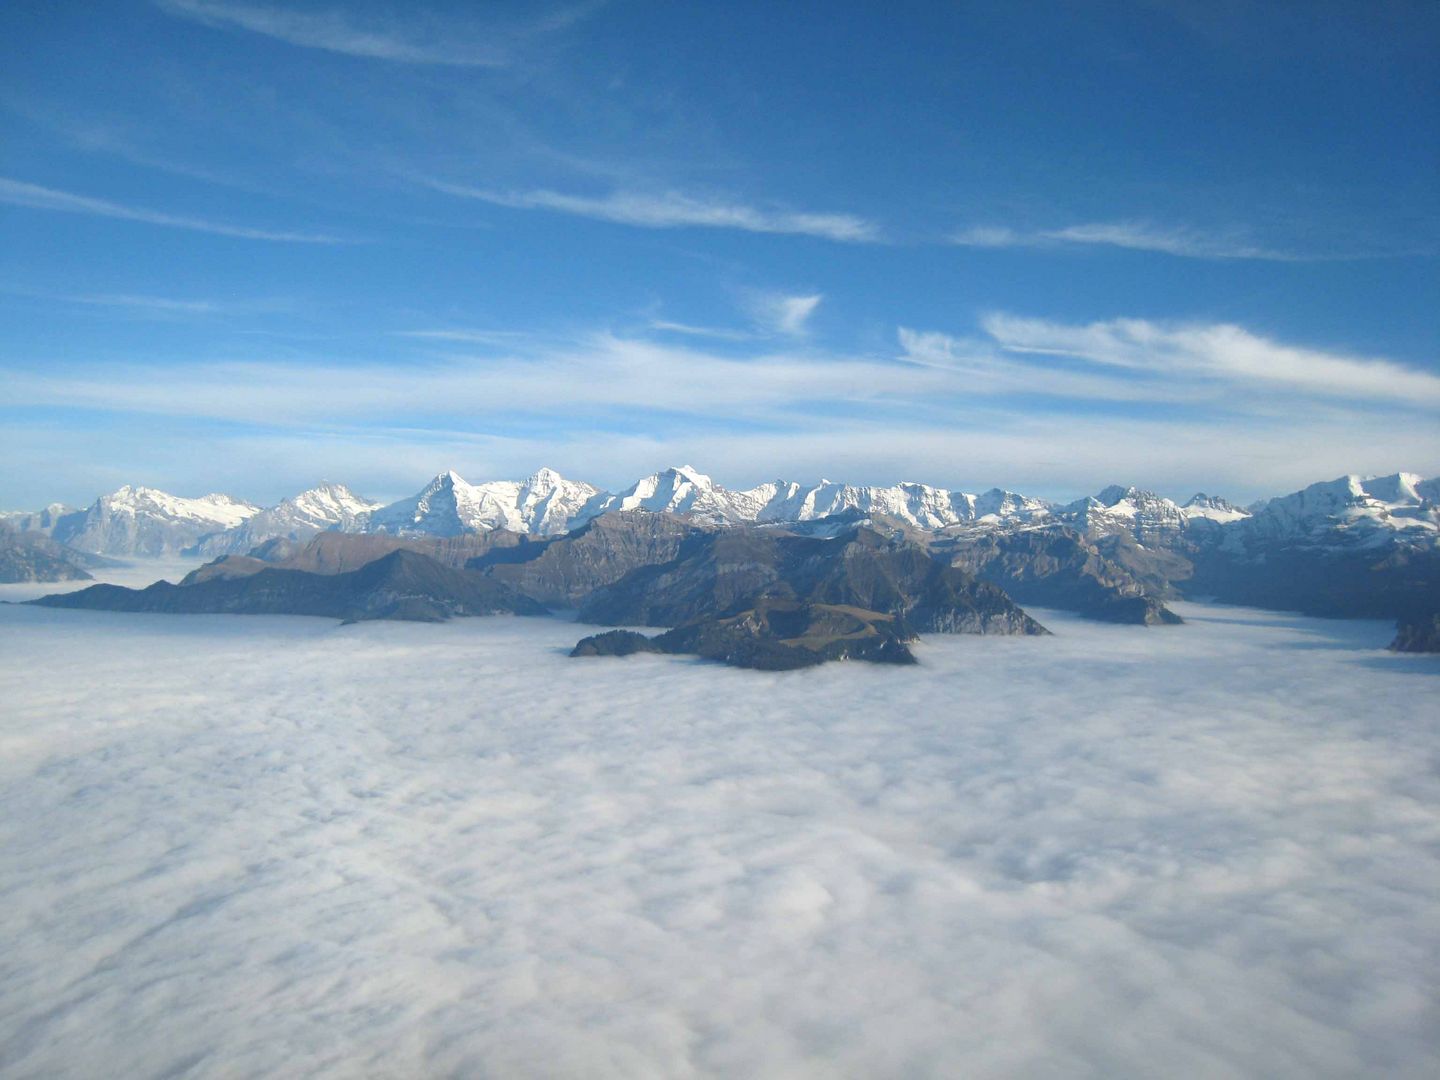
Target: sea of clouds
{"type": "Point", "coordinates": [243, 847]}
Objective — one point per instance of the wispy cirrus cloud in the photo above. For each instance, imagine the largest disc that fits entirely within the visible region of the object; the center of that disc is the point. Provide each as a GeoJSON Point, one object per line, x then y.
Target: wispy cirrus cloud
{"type": "Point", "coordinates": [1217, 352]}
{"type": "Point", "coordinates": [783, 314]}
{"type": "Point", "coordinates": [33, 196]}
{"type": "Point", "coordinates": [333, 31]}
{"type": "Point", "coordinates": [675, 210]}
{"type": "Point", "coordinates": [1196, 406]}
{"type": "Point", "coordinates": [1183, 242]}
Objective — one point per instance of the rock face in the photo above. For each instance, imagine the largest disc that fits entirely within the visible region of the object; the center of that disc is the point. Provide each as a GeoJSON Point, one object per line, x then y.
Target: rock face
{"type": "Point", "coordinates": [565, 571]}
{"type": "Point", "coordinates": [734, 570]}
{"type": "Point", "coordinates": [776, 635]}
{"type": "Point", "coordinates": [1055, 566]}
{"type": "Point", "coordinates": [35, 557]}
{"type": "Point", "coordinates": [401, 585]}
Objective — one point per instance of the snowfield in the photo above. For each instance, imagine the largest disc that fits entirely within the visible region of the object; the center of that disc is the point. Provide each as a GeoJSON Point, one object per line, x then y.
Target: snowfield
{"type": "Point", "coordinates": [252, 847]}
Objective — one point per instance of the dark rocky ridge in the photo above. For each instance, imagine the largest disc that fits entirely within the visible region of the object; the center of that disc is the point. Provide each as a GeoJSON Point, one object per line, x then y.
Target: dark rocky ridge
{"type": "Point", "coordinates": [719, 574]}
{"type": "Point", "coordinates": [777, 635]}
{"type": "Point", "coordinates": [566, 570]}
{"type": "Point", "coordinates": [767, 598]}
{"type": "Point", "coordinates": [338, 553]}
{"type": "Point", "coordinates": [401, 585]}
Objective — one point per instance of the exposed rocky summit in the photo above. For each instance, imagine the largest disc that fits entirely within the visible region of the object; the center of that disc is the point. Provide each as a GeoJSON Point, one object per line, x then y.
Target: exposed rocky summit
{"type": "Point", "coordinates": [776, 635]}
{"type": "Point", "coordinates": [732, 570]}
{"type": "Point", "coordinates": [566, 570]}
{"type": "Point", "coordinates": [767, 598]}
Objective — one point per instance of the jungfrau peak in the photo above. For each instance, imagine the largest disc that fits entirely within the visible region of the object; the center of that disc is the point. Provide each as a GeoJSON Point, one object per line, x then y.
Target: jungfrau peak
{"type": "Point", "coordinates": [325, 506]}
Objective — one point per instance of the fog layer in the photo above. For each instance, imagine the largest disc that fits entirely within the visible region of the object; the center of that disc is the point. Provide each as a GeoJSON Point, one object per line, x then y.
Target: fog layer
{"type": "Point", "coordinates": [253, 847]}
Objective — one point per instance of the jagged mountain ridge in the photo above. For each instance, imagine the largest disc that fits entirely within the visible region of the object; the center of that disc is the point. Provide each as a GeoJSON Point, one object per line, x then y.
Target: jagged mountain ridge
{"type": "Point", "coordinates": [1350, 511]}
{"type": "Point", "coordinates": [544, 504]}
{"type": "Point", "coordinates": [326, 506]}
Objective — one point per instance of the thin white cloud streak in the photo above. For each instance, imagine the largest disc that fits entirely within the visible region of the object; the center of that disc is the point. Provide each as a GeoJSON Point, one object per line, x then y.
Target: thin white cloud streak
{"type": "Point", "coordinates": [604, 372]}
{"type": "Point", "coordinates": [674, 210]}
{"type": "Point", "coordinates": [719, 333]}
{"type": "Point", "coordinates": [782, 314]}
{"type": "Point", "coordinates": [983, 369]}
{"type": "Point", "coordinates": [450, 850]}
{"type": "Point", "coordinates": [1220, 351]}
{"type": "Point", "coordinates": [33, 196]}
{"type": "Point", "coordinates": [156, 304]}
{"type": "Point", "coordinates": [1131, 235]}
{"type": "Point", "coordinates": [162, 307]}
{"type": "Point", "coordinates": [506, 338]}
{"type": "Point", "coordinates": [332, 31]}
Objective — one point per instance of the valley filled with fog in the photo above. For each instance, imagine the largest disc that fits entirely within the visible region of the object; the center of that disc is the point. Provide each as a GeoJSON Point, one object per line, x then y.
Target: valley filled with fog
{"type": "Point", "coordinates": [263, 845]}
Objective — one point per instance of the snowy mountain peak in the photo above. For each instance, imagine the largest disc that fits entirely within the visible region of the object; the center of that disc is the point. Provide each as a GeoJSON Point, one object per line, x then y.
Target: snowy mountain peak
{"type": "Point", "coordinates": [1395, 488]}
{"type": "Point", "coordinates": [326, 506]}
{"type": "Point", "coordinates": [449, 505]}
{"type": "Point", "coordinates": [135, 520]}
{"type": "Point", "coordinates": [1115, 493]}
{"type": "Point", "coordinates": [692, 475]}
{"type": "Point", "coordinates": [1349, 511]}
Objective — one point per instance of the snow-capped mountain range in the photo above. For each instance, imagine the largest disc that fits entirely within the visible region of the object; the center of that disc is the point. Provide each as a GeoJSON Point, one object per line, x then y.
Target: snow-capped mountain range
{"type": "Point", "coordinates": [327, 506]}
{"type": "Point", "coordinates": [545, 504]}
{"type": "Point", "coordinates": [1351, 511]}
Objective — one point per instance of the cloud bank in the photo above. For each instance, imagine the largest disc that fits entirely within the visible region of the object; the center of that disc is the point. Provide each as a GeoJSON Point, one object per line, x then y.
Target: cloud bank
{"type": "Point", "coordinates": [256, 846]}
{"type": "Point", "coordinates": [1054, 409]}
{"type": "Point", "coordinates": [1220, 351]}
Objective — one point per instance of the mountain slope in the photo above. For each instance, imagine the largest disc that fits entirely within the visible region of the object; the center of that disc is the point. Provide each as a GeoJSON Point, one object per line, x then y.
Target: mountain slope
{"type": "Point", "coordinates": [775, 635]}
{"type": "Point", "coordinates": [403, 585]}
{"type": "Point", "coordinates": [731, 571]}
{"type": "Point", "coordinates": [565, 570]}
{"type": "Point", "coordinates": [1056, 566]}
{"type": "Point", "coordinates": [35, 557]}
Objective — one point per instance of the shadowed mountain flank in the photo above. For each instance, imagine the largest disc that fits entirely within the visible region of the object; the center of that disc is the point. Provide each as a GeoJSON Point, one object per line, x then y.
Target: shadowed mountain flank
{"type": "Point", "coordinates": [402, 585]}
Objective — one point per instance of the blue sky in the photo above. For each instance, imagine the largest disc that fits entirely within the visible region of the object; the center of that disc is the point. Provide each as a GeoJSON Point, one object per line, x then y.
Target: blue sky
{"type": "Point", "coordinates": [244, 246]}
